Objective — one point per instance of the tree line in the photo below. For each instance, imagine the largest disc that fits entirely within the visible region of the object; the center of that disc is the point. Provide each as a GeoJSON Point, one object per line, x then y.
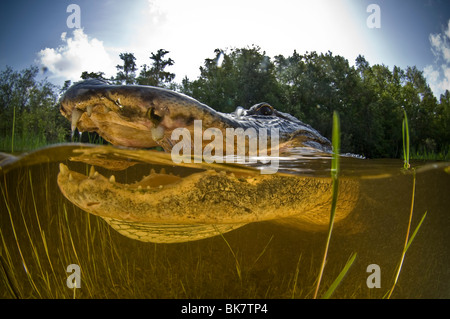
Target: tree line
{"type": "Point", "coordinates": [369, 98]}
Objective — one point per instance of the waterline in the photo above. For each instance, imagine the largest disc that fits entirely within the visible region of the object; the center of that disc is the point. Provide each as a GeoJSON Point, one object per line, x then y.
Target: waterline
{"type": "Point", "coordinates": [237, 150]}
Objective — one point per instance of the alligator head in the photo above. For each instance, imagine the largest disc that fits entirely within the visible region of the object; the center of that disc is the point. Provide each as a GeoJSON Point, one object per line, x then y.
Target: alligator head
{"type": "Point", "coordinates": [145, 116]}
{"type": "Point", "coordinates": [165, 208]}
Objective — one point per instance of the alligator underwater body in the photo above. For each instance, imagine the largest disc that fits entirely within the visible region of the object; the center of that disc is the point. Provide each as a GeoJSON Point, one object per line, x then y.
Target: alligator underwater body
{"type": "Point", "coordinates": [166, 208]}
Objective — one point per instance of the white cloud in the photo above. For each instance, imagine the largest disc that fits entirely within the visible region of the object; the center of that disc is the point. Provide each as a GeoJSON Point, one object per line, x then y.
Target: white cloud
{"type": "Point", "coordinates": [447, 32]}
{"type": "Point", "coordinates": [192, 30]}
{"type": "Point", "coordinates": [438, 74]}
{"type": "Point", "coordinates": [77, 54]}
{"type": "Point", "coordinates": [430, 73]}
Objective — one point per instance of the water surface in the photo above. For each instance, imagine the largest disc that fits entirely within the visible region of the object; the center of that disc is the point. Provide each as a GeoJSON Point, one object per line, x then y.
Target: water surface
{"type": "Point", "coordinates": [42, 233]}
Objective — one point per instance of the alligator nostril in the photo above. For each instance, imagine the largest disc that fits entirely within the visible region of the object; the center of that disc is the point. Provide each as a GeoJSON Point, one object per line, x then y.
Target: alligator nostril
{"type": "Point", "coordinates": [153, 117]}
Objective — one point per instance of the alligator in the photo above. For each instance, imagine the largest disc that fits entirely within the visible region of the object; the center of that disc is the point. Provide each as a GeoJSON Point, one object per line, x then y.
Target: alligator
{"type": "Point", "coordinates": [145, 116]}
{"type": "Point", "coordinates": [215, 199]}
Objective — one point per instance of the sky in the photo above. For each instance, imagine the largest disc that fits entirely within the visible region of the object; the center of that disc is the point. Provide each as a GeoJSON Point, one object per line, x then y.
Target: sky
{"type": "Point", "coordinates": [391, 32]}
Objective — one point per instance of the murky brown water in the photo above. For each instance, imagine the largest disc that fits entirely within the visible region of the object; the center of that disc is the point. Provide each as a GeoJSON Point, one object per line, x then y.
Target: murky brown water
{"type": "Point", "coordinates": [42, 233]}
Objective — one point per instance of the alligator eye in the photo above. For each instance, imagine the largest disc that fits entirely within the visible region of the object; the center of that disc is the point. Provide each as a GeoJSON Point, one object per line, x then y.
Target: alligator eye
{"type": "Point", "coordinates": [153, 117]}
{"type": "Point", "coordinates": [264, 109]}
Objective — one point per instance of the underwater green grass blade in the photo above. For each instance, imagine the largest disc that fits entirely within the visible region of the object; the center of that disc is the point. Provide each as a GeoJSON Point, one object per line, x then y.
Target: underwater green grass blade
{"type": "Point", "coordinates": [22, 257]}
{"type": "Point", "coordinates": [334, 175]}
{"type": "Point", "coordinates": [339, 278]}
{"type": "Point", "coordinates": [238, 266]}
{"type": "Point", "coordinates": [41, 231]}
{"type": "Point", "coordinates": [7, 279]}
{"type": "Point", "coordinates": [408, 239]}
{"type": "Point", "coordinates": [297, 270]}
{"type": "Point", "coordinates": [415, 232]}
{"type": "Point", "coordinates": [262, 252]}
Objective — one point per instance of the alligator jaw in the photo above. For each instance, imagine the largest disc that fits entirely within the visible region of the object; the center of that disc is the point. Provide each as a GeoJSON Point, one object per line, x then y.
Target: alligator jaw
{"type": "Point", "coordinates": [78, 188]}
{"type": "Point", "coordinates": [149, 200]}
{"type": "Point", "coordinates": [209, 198]}
{"type": "Point", "coordinates": [134, 116]}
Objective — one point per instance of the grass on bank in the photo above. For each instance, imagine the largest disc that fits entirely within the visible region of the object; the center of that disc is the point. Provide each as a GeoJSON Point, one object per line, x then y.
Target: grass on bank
{"type": "Point", "coordinates": [26, 143]}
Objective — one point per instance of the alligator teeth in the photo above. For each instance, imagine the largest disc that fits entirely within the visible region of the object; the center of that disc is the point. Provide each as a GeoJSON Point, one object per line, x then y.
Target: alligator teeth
{"type": "Point", "coordinates": [76, 114]}
{"type": "Point", "coordinates": [63, 168]}
{"type": "Point", "coordinates": [163, 171]}
{"type": "Point", "coordinates": [152, 171]}
{"type": "Point", "coordinates": [92, 172]}
{"type": "Point", "coordinates": [139, 187]}
{"type": "Point", "coordinates": [70, 177]}
{"type": "Point", "coordinates": [112, 179]}
{"type": "Point", "coordinates": [239, 112]}
{"type": "Point", "coordinates": [157, 133]}
{"type": "Point", "coordinates": [89, 110]}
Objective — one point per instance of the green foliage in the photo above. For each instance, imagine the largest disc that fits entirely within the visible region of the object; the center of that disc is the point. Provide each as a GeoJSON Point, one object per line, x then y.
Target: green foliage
{"type": "Point", "coordinates": [155, 75]}
{"type": "Point", "coordinates": [239, 77]}
{"type": "Point", "coordinates": [29, 112]}
{"type": "Point", "coordinates": [127, 72]}
{"type": "Point", "coordinates": [369, 99]}
{"type": "Point", "coordinates": [93, 75]}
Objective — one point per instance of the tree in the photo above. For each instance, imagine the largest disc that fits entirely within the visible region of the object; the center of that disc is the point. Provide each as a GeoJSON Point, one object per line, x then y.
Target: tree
{"type": "Point", "coordinates": [155, 75]}
{"type": "Point", "coordinates": [65, 87]}
{"type": "Point", "coordinates": [239, 77]}
{"type": "Point", "coordinates": [29, 111]}
{"type": "Point", "coordinates": [126, 72]}
{"type": "Point", "coordinates": [314, 85]}
{"type": "Point", "coordinates": [93, 75]}
{"type": "Point", "coordinates": [442, 123]}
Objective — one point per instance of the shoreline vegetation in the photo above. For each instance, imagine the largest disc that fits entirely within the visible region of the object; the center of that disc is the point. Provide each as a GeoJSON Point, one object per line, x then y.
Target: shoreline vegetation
{"type": "Point", "coordinates": [371, 100]}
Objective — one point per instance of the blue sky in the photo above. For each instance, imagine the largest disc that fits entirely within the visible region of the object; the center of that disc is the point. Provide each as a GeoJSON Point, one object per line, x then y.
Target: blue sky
{"type": "Point", "coordinates": [411, 33]}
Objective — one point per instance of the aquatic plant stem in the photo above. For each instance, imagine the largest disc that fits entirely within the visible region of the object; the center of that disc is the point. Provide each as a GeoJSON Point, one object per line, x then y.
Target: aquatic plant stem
{"type": "Point", "coordinates": [408, 239]}
{"type": "Point", "coordinates": [405, 136]}
{"type": "Point", "coordinates": [238, 266]}
{"type": "Point", "coordinates": [335, 186]}
{"type": "Point", "coordinates": [406, 166]}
